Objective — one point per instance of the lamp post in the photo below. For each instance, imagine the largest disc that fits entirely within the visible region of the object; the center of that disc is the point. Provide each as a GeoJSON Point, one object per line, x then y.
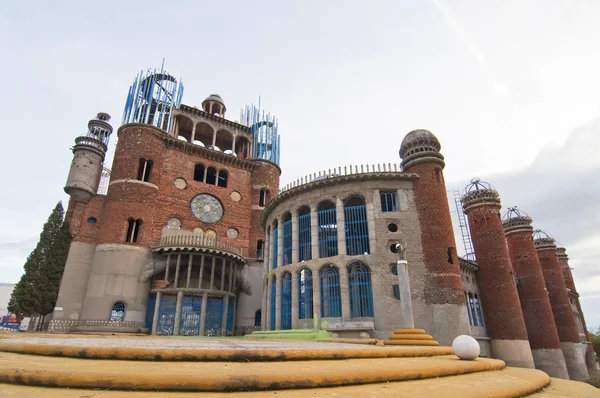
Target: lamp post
{"type": "Point", "coordinates": [406, 316]}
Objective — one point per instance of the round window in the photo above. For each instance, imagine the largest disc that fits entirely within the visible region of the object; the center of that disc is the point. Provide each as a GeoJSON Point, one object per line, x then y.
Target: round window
{"type": "Point", "coordinates": [92, 220]}
{"type": "Point", "coordinates": [174, 223]}
{"type": "Point", "coordinates": [392, 227]}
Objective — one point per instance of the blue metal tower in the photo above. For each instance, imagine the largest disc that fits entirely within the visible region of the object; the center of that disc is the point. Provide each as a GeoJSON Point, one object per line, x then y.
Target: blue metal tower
{"type": "Point", "coordinates": [265, 132]}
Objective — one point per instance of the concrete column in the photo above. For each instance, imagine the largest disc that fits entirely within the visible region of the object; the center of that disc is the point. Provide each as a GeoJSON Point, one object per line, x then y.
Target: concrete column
{"type": "Point", "coordinates": [314, 233]}
{"type": "Point", "coordinates": [222, 274]}
{"type": "Point", "coordinates": [345, 293]}
{"type": "Point", "coordinates": [272, 253]}
{"type": "Point", "coordinates": [178, 313]}
{"type": "Point", "coordinates": [224, 320]}
{"type": "Point", "coordinates": [201, 271]}
{"type": "Point", "coordinates": [233, 318]}
{"type": "Point", "coordinates": [263, 315]}
{"type": "Point", "coordinates": [177, 270]}
{"type": "Point", "coordinates": [233, 144]}
{"type": "Point", "coordinates": [266, 255]}
{"type": "Point", "coordinates": [279, 242]}
{"type": "Point", "coordinates": [189, 271]}
{"type": "Point", "coordinates": [212, 272]}
{"type": "Point", "coordinates": [267, 312]}
{"type": "Point", "coordinates": [406, 315]}
{"type": "Point", "coordinates": [167, 266]}
{"type": "Point", "coordinates": [203, 314]}
{"type": "Point", "coordinates": [214, 140]}
{"type": "Point", "coordinates": [316, 280]}
{"type": "Point", "coordinates": [294, 258]}
{"type": "Point", "coordinates": [341, 230]}
{"type": "Point", "coordinates": [371, 226]}
{"type": "Point", "coordinates": [156, 310]}
{"type": "Point", "coordinates": [278, 303]}
{"type": "Point", "coordinates": [193, 132]}
{"type": "Point", "coordinates": [295, 320]}
{"type": "Point", "coordinates": [231, 273]}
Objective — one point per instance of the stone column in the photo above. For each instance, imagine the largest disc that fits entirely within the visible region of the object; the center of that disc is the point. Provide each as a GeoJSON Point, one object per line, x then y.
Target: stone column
{"type": "Point", "coordinates": [212, 273]}
{"type": "Point", "coordinates": [203, 314]}
{"type": "Point", "coordinates": [263, 315]}
{"type": "Point", "coordinates": [178, 313]}
{"type": "Point", "coordinates": [278, 303]}
{"type": "Point", "coordinates": [233, 144]}
{"type": "Point", "coordinates": [537, 311]}
{"type": "Point", "coordinates": [266, 254]}
{"type": "Point", "coordinates": [316, 280]}
{"type": "Point", "coordinates": [224, 320]}
{"type": "Point", "coordinates": [499, 297]}
{"type": "Point", "coordinates": [314, 233]}
{"type": "Point", "coordinates": [193, 132]}
{"type": "Point", "coordinates": [189, 270]}
{"type": "Point", "coordinates": [295, 320]}
{"type": "Point", "coordinates": [156, 310]}
{"type": "Point", "coordinates": [345, 293]}
{"type": "Point", "coordinates": [272, 253]}
{"type": "Point", "coordinates": [279, 242]}
{"type": "Point", "coordinates": [341, 229]}
{"type": "Point", "coordinates": [201, 276]}
{"type": "Point", "coordinates": [267, 314]}
{"type": "Point", "coordinates": [371, 226]}
{"type": "Point", "coordinates": [561, 307]}
{"type": "Point", "coordinates": [175, 284]}
{"type": "Point", "coordinates": [222, 274]}
{"type": "Point", "coordinates": [406, 315]}
{"type": "Point", "coordinates": [295, 242]}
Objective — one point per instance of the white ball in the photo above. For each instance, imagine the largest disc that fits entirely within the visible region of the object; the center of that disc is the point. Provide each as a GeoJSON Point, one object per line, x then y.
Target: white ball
{"type": "Point", "coordinates": [466, 347]}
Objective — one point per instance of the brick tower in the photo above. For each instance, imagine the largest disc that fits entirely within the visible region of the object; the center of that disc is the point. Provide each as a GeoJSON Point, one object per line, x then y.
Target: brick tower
{"type": "Point", "coordinates": [442, 283]}
{"type": "Point", "coordinates": [561, 306]}
{"type": "Point", "coordinates": [537, 311]}
{"type": "Point", "coordinates": [500, 300]}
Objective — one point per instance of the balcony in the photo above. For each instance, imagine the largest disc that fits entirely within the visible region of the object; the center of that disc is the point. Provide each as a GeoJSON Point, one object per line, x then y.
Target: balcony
{"type": "Point", "coordinates": [181, 240]}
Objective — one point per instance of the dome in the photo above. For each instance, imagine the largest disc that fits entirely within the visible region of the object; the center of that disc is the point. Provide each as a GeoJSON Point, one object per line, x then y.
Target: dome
{"type": "Point", "coordinates": [419, 137]}
{"type": "Point", "coordinates": [514, 212]}
{"type": "Point", "coordinates": [420, 145]}
{"type": "Point", "coordinates": [215, 98]}
{"type": "Point", "coordinates": [539, 234]}
{"type": "Point", "coordinates": [477, 185]}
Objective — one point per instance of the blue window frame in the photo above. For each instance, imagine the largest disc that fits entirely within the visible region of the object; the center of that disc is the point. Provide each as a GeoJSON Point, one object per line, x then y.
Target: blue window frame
{"type": "Point", "coordinates": [327, 222]}
{"type": "Point", "coordinates": [360, 291]}
{"type": "Point", "coordinates": [214, 316]}
{"type": "Point", "coordinates": [389, 201]}
{"type": "Point", "coordinates": [304, 243]}
{"type": "Point", "coordinates": [273, 299]}
{"type": "Point", "coordinates": [286, 301]}
{"type": "Point", "coordinates": [305, 294]}
{"type": "Point", "coordinates": [166, 315]}
{"type": "Point", "coordinates": [331, 296]}
{"type": "Point", "coordinates": [275, 244]}
{"type": "Point", "coordinates": [191, 312]}
{"type": "Point", "coordinates": [356, 227]}
{"type": "Point", "coordinates": [150, 306]}
{"type": "Point", "coordinates": [287, 239]}
{"type": "Point", "coordinates": [117, 313]}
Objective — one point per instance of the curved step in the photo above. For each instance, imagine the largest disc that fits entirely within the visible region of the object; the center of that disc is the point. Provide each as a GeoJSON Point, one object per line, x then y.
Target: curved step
{"type": "Point", "coordinates": [410, 337]}
{"type": "Point", "coordinates": [227, 376]}
{"type": "Point", "coordinates": [510, 382]}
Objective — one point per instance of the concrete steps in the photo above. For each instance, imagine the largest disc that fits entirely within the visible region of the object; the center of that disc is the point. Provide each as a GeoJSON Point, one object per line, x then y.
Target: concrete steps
{"type": "Point", "coordinates": [292, 334]}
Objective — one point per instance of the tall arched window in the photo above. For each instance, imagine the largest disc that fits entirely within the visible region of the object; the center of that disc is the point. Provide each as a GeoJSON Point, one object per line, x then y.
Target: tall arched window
{"type": "Point", "coordinates": [211, 176]}
{"type": "Point", "coordinates": [273, 298]}
{"type": "Point", "coordinates": [305, 294]}
{"type": "Point", "coordinates": [287, 239]}
{"type": "Point", "coordinates": [275, 244]}
{"type": "Point", "coordinates": [304, 244]}
{"type": "Point", "coordinates": [357, 230]}
{"type": "Point", "coordinates": [331, 295]}
{"type": "Point", "coordinates": [360, 291]}
{"type": "Point", "coordinates": [133, 230]}
{"type": "Point", "coordinates": [222, 179]}
{"type": "Point", "coordinates": [117, 313]}
{"type": "Point", "coordinates": [199, 172]}
{"type": "Point", "coordinates": [327, 224]}
{"type": "Point", "coordinates": [260, 247]}
{"type": "Point", "coordinates": [286, 301]}
{"type": "Point", "coordinates": [145, 169]}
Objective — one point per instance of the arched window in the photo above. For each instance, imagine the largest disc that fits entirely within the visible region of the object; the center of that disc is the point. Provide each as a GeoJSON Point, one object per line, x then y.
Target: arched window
{"type": "Point", "coordinates": [199, 172]}
{"type": "Point", "coordinates": [117, 313]}
{"type": "Point", "coordinates": [260, 246]}
{"type": "Point", "coordinates": [331, 295]}
{"type": "Point", "coordinates": [211, 176]}
{"type": "Point", "coordinates": [273, 299]}
{"type": "Point", "coordinates": [222, 180]}
{"type": "Point", "coordinates": [304, 244]}
{"type": "Point", "coordinates": [355, 224]}
{"type": "Point", "coordinates": [275, 244]}
{"type": "Point", "coordinates": [133, 230]}
{"type": "Point", "coordinates": [287, 239]}
{"type": "Point", "coordinates": [286, 301]}
{"type": "Point", "coordinates": [144, 169]}
{"type": "Point", "coordinates": [257, 317]}
{"type": "Point", "coordinates": [305, 294]}
{"type": "Point", "coordinates": [327, 224]}
{"type": "Point", "coordinates": [262, 199]}
{"type": "Point", "coordinates": [360, 291]}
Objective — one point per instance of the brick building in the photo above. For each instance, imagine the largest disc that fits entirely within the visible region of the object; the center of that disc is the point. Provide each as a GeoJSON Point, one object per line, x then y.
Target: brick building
{"type": "Point", "coordinates": [189, 233]}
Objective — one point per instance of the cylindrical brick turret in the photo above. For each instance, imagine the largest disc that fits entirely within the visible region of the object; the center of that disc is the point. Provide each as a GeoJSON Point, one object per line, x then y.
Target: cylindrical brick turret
{"type": "Point", "coordinates": [265, 178]}
{"type": "Point", "coordinates": [561, 306]}
{"type": "Point", "coordinates": [537, 311]}
{"type": "Point", "coordinates": [443, 287]}
{"type": "Point", "coordinates": [499, 297]}
{"type": "Point", "coordinates": [88, 156]}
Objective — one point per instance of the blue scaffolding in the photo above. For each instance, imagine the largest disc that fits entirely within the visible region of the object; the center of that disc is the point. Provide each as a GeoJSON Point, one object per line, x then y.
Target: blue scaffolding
{"type": "Point", "coordinates": [152, 97]}
{"type": "Point", "coordinates": [264, 130]}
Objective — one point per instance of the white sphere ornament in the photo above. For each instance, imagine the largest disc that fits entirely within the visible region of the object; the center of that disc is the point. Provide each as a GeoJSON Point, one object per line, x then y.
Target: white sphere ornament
{"type": "Point", "coordinates": [466, 347]}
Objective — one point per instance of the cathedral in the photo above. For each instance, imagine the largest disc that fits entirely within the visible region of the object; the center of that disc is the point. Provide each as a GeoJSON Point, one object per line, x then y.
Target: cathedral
{"type": "Point", "coordinates": [189, 233]}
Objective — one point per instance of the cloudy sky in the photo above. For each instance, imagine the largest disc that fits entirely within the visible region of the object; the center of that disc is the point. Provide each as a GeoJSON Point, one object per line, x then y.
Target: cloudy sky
{"type": "Point", "coordinates": [510, 88]}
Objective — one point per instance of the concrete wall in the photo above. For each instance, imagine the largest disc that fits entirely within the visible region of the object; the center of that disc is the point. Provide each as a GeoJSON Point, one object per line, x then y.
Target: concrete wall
{"type": "Point", "coordinates": [247, 305]}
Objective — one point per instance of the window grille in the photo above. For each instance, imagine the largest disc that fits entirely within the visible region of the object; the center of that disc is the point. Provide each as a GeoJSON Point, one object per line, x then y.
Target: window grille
{"type": "Point", "coordinates": [331, 297]}
{"type": "Point", "coordinates": [275, 245]}
{"type": "Point", "coordinates": [287, 239]}
{"type": "Point", "coordinates": [327, 221]}
{"type": "Point", "coordinates": [166, 315]}
{"type": "Point", "coordinates": [214, 316]}
{"type": "Point", "coordinates": [118, 312]}
{"type": "Point", "coordinates": [360, 290]}
{"type": "Point", "coordinates": [305, 294]}
{"type": "Point", "coordinates": [273, 302]}
{"type": "Point", "coordinates": [389, 201]}
{"type": "Point", "coordinates": [356, 227]}
{"type": "Point", "coordinates": [191, 312]}
{"type": "Point", "coordinates": [286, 301]}
{"type": "Point", "coordinates": [304, 243]}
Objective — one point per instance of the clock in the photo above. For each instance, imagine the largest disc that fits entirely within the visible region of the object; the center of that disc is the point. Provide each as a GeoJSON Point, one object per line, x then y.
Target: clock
{"type": "Point", "coordinates": [207, 208]}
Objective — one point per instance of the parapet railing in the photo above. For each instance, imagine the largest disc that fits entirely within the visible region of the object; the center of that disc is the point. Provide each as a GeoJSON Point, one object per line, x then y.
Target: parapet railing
{"type": "Point", "coordinates": [84, 140]}
{"type": "Point", "coordinates": [197, 240]}
{"type": "Point", "coordinates": [343, 171]}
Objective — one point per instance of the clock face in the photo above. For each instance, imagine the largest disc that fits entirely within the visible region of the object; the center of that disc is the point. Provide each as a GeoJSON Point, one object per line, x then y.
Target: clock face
{"type": "Point", "coordinates": [207, 208]}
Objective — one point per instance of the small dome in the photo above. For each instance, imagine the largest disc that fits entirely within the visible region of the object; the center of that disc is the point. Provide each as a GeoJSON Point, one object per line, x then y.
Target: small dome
{"type": "Point", "coordinates": [477, 185]}
{"type": "Point", "coordinates": [419, 138]}
{"type": "Point", "coordinates": [539, 234]}
{"type": "Point", "coordinates": [215, 98]}
{"type": "Point", "coordinates": [513, 213]}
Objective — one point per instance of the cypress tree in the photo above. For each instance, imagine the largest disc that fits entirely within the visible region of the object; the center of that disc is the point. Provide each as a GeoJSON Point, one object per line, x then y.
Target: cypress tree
{"type": "Point", "coordinates": [36, 292]}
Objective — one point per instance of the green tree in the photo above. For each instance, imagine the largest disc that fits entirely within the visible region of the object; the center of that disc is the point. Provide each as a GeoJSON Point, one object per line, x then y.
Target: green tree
{"type": "Point", "coordinates": [35, 294]}
{"type": "Point", "coordinates": [595, 339]}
